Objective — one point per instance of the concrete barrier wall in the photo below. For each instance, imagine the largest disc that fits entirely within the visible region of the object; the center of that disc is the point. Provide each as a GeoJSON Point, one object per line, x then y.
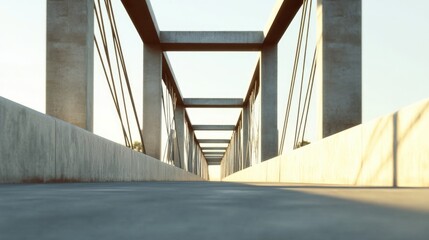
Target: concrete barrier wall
{"type": "Point", "coordinates": [389, 151]}
{"type": "Point", "coordinates": [38, 148]}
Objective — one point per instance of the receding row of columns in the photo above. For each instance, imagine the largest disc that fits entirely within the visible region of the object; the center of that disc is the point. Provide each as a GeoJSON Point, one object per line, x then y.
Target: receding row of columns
{"type": "Point", "coordinates": [69, 73]}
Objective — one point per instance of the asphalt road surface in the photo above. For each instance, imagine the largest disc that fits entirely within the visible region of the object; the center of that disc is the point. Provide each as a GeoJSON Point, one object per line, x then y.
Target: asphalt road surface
{"type": "Point", "coordinates": [207, 210]}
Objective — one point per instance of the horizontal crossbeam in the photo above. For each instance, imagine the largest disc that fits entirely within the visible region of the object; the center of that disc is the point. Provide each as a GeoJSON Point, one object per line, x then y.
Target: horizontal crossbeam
{"type": "Point", "coordinates": [211, 41]}
{"type": "Point", "coordinates": [223, 150]}
{"type": "Point", "coordinates": [214, 158]}
{"type": "Point", "coordinates": [213, 162]}
{"type": "Point", "coordinates": [213, 148]}
{"type": "Point", "coordinates": [170, 78]}
{"type": "Point", "coordinates": [213, 127]}
{"type": "Point", "coordinates": [284, 12]}
{"type": "Point", "coordinates": [143, 18]}
{"type": "Point", "coordinates": [213, 153]}
{"type": "Point", "coordinates": [214, 140]}
{"type": "Point", "coordinates": [213, 102]}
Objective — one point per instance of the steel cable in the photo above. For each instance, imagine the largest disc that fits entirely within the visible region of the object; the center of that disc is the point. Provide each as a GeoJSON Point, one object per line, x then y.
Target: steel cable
{"type": "Point", "coordinates": [302, 76]}
{"type": "Point", "coordinates": [292, 85]}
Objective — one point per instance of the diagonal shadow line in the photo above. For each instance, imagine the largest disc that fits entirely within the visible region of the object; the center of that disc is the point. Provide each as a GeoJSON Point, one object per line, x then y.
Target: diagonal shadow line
{"type": "Point", "coordinates": [395, 145]}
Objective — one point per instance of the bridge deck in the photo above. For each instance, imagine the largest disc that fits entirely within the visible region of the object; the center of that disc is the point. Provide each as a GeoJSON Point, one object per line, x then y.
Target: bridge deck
{"type": "Point", "coordinates": [204, 210]}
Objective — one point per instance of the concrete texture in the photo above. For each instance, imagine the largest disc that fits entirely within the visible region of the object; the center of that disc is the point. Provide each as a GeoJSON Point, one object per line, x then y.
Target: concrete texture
{"type": "Point", "coordinates": [152, 99]}
{"type": "Point", "coordinates": [213, 148]}
{"type": "Point", "coordinates": [411, 148]}
{"type": "Point", "coordinates": [211, 41]}
{"type": "Point", "coordinates": [268, 91]}
{"type": "Point", "coordinates": [27, 144]}
{"type": "Point", "coordinates": [179, 125]}
{"type": "Point", "coordinates": [193, 155]}
{"type": "Point", "coordinates": [70, 61]}
{"type": "Point", "coordinates": [214, 153]}
{"type": "Point", "coordinates": [143, 18]}
{"type": "Point", "coordinates": [389, 151]}
{"type": "Point", "coordinates": [213, 102]}
{"type": "Point", "coordinates": [234, 149]}
{"type": "Point", "coordinates": [245, 113]}
{"type": "Point", "coordinates": [87, 157]}
{"type": "Point", "coordinates": [214, 140]}
{"type": "Point", "coordinates": [205, 210]}
{"type": "Point", "coordinates": [214, 127]}
{"type": "Point", "coordinates": [284, 12]}
{"type": "Point", "coordinates": [339, 64]}
{"type": "Point", "coordinates": [38, 148]}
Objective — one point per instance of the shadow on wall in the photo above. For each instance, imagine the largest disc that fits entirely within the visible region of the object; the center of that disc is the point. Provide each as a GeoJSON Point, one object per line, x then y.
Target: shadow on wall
{"type": "Point", "coordinates": [385, 142]}
{"type": "Point", "coordinates": [389, 151]}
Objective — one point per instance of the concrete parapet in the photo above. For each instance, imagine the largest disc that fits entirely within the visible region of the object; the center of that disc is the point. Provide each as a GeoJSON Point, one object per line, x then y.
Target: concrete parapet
{"type": "Point", "coordinates": [38, 148]}
{"type": "Point", "coordinates": [27, 144]}
{"type": "Point", "coordinates": [389, 151]}
{"type": "Point", "coordinates": [411, 149]}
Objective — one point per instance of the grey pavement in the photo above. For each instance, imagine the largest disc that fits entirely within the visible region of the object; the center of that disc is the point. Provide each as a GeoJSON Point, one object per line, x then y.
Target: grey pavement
{"type": "Point", "coordinates": [207, 210]}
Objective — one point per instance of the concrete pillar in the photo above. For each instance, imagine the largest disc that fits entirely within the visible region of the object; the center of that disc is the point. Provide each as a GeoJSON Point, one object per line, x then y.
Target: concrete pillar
{"type": "Point", "coordinates": [268, 91]}
{"type": "Point", "coordinates": [179, 117]}
{"type": "Point", "coordinates": [152, 99]}
{"type": "Point", "coordinates": [238, 151]}
{"type": "Point", "coordinates": [70, 61]}
{"type": "Point", "coordinates": [246, 129]}
{"type": "Point", "coordinates": [191, 153]}
{"type": "Point", "coordinates": [339, 65]}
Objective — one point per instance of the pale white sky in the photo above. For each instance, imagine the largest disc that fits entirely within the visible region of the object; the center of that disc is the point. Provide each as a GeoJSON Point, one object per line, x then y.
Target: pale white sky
{"type": "Point", "coordinates": [395, 56]}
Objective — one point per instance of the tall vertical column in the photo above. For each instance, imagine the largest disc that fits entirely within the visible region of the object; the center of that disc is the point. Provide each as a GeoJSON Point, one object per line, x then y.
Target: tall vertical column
{"type": "Point", "coordinates": [70, 61]}
{"type": "Point", "coordinates": [152, 99]}
{"type": "Point", "coordinates": [339, 64]}
{"type": "Point", "coordinates": [268, 91]}
{"type": "Point", "coordinates": [179, 118]}
{"type": "Point", "coordinates": [246, 129]}
{"type": "Point", "coordinates": [191, 153]}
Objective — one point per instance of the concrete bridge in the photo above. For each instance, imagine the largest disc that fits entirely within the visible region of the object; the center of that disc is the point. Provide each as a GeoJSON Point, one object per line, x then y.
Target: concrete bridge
{"type": "Point", "coordinates": [359, 181]}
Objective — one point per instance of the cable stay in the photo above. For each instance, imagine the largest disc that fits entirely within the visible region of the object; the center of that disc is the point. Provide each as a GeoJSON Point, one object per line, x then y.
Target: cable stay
{"type": "Point", "coordinates": [119, 100]}
{"type": "Point", "coordinates": [302, 109]}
